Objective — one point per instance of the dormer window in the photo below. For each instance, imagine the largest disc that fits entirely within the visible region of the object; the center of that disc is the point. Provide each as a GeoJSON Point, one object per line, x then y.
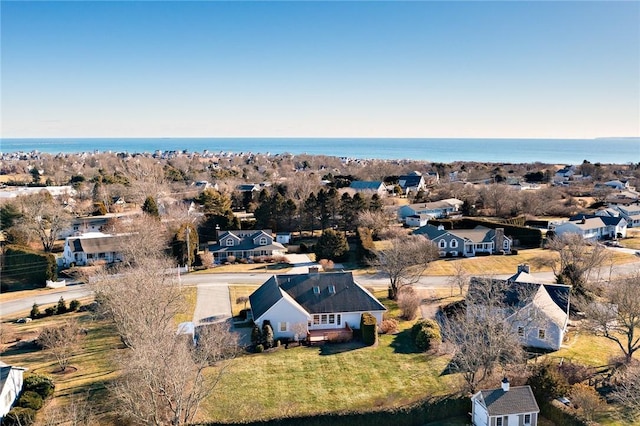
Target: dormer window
{"type": "Point", "coordinates": [263, 241]}
{"type": "Point", "coordinates": [316, 290]}
{"type": "Point", "coordinates": [229, 242]}
{"type": "Point", "coordinates": [332, 289]}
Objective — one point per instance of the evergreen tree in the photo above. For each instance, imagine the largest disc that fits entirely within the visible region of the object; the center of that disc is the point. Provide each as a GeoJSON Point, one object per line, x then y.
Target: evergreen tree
{"type": "Point", "coordinates": [311, 211]}
{"type": "Point", "coordinates": [267, 335]}
{"type": "Point", "coordinates": [150, 207]}
{"type": "Point", "coordinates": [35, 311]}
{"type": "Point", "coordinates": [376, 203]}
{"type": "Point", "coordinates": [185, 244]}
{"type": "Point", "coordinates": [61, 308]}
{"type": "Point", "coordinates": [332, 245]}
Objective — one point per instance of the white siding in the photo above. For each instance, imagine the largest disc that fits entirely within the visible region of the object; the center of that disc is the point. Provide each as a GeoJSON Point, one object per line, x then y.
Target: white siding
{"type": "Point", "coordinates": [480, 417]}
{"type": "Point", "coordinates": [283, 311]}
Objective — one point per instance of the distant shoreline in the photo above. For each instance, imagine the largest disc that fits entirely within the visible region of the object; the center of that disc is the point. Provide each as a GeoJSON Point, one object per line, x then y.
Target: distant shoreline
{"type": "Point", "coordinates": [446, 150]}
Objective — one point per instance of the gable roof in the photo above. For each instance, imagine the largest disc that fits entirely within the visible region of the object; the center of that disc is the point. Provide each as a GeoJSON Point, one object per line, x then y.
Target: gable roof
{"type": "Point", "coordinates": [518, 399]}
{"type": "Point", "coordinates": [5, 371]}
{"type": "Point", "coordinates": [430, 231]}
{"type": "Point", "coordinates": [410, 180]}
{"type": "Point", "coordinates": [349, 296]}
{"type": "Point", "coordinates": [479, 234]}
{"type": "Point", "coordinates": [98, 244]}
{"type": "Point", "coordinates": [606, 219]}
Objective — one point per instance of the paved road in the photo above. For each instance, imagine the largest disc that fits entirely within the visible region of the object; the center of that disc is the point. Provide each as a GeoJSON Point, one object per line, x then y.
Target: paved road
{"type": "Point", "coordinates": [218, 283]}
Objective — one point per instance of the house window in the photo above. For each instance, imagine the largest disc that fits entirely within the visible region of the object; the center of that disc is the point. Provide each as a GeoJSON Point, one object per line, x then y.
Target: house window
{"type": "Point", "coordinates": [332, 289]}
{"type": "Point", "coordinates": [263, 241]}
{"type": "Point", "coordinates": [527, 419]}
{"type": "Point", "coordinates": [443, 244]}
{"type": "Point", "coordinates": [541, 334]}
{"type": "Point", "coordinates": [283, 326]}
{"type": "Point", "coordinates": [520, 331]}
{"type": "Point", "coordinates": [499, 421]}
{"type": "Point", "coordinates": [332, 319]}
{"type": "Point", "coordinates": [229, 242]}
{"type": "Point", "coordinates": [316, 319]}
{"type": "Point", "coordinates": [323, 319]}
{"type": "Point", "coordinates": [316, 290]}
{"type": "Point", "coordinates": [453, 244]}
{"type": "Point", "coordinates": [338, 319]}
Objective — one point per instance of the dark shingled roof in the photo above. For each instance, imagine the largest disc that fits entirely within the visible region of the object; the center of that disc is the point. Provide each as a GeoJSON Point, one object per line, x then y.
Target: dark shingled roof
{"type": "Point", "coordinates": [113, 243]}
{"type": "Point", "coordinates": [518, 399]}
{"type": "Point", "coordinates": [514, 291]}
{"type": "Point", "coordinates": [348, 296]}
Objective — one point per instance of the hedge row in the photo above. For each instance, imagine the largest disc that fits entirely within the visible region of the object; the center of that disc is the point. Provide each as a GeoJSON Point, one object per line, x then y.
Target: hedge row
{"type": "Point", "coordinates": [368, 328]}
{"type": "Point", "coordinates": [526, 237]}
{"type": "Point", "coordinates": [426, 411]}
{"type": "Point", "coordinates": [23, 264]}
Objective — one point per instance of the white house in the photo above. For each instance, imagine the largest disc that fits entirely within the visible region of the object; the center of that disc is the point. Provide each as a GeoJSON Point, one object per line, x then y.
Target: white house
{"type": "Point", "coordinates": [630, 213]}
{"type": "Point", "coordinates": [506, 406]}
{"type": "Point", "coordinates": [412, 182]}
{"type": "Point", "coordinates": [92, 247]}
{"type": "Point", "coordinates": [316, 305]}
{"type": "Point", "coordinates": [537, 312]}
{"type": "Point", "coordinates": [10, 386]}
{"type": "Point", "coordinates": [592, 227]}
{"type": "Point", "coordinates": [366, 186]}
{"type": "Point", "coordinates": [435, 209]}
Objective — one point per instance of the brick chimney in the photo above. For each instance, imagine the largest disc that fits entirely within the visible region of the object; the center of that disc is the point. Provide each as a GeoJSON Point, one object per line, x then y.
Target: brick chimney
{"type": "Point", "coordinates": [505, 384]}
{"type": "Point", "coordinates": [314, 270]}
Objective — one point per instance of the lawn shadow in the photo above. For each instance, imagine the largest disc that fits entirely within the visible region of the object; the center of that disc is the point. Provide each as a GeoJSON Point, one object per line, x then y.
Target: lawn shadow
{"type": "Point", "coordinates": [402, 343]}
{"type": "Point", "coordinates": [338, 348]}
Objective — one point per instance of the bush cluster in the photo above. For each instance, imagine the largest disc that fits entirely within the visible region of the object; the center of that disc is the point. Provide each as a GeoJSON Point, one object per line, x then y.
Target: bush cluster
{"type": "Point", "coordinates": [30, 266]}
{"type": "Point", "coordinates": [262, 338]}
{"type": "Point", "coordinates": [57, 309]}
{"type": "Point", "coordinates": [389, 326]}
{"type": "Point", "coordinates": [35, 389]}
{"type": "Point", "coordinates": [426, 335]}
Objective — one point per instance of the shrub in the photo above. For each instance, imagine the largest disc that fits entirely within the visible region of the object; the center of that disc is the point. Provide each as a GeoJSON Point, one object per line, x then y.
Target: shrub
{"type": "Point", "coordinates": [61, 307]}
{"type": "Point", "coordinates": [327, 265]}
{"type": "Point", "coordinates": [368, 328]}
{"type": "Point", "coordinates": [30, 399]}
{"type": "Point", "coordinates": [231, 259]}
{"type": "Point", "coordinates": [427, 335]}
{"type": "Point", "coordinates": [19, 416]}
{"type": "Point", "coordinates": [74, 305]}
{"type": "Point", "coordinates": [259, 349]}
{"type": "Point", "coordinates": [42, 385]}
{"type": "Point", "coordinates": [267, 335]}
{"type": "Point", "coordinates": [256, 335]}
{"type": "Point", "coordinates": [389, 326]}
{"type": "Point", "coordinates": [51, 310]}
{"type": "Point", "coordinates": [35, 311]}
{"type": "Point", "coordinates": [408, 302]}
{"type": "Point", "coordinates": [547, 383]}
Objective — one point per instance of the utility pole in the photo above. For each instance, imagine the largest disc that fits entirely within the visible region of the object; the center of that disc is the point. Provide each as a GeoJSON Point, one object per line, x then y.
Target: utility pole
{"type": "Point", "coordinates": [188, 249]}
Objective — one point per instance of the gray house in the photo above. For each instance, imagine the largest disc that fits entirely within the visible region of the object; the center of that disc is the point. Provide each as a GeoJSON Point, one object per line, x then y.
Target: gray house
{"type": "Point", "coordinates": [245, 244]}
{"type": "Point", "coordinates": [466, 242]}
{"type": "Point", "coordinates": [506, 406]}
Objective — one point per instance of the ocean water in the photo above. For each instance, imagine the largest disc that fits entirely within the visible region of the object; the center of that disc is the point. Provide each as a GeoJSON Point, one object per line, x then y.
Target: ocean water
{"type": "Point", "coordinates": [556, 151]}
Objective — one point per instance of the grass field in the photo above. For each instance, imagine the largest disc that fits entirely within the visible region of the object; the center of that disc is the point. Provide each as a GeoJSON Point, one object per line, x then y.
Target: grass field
{"type": "Point", "coordinates": [270, 268]}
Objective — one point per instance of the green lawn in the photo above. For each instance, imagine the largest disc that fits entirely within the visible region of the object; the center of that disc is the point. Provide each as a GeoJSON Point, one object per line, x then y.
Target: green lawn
{"type": "Point", "coordinates": [333, 377]}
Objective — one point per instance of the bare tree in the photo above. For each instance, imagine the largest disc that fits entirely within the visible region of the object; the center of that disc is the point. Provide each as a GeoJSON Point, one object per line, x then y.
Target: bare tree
{"type": "Point", "coordinates": [460, 277]}
{"type": "Point", "coordinates": [61, 341]}
{"type": "Point", "coordinates": [377, 221]}
{"type": "Point", "coordinates": [164, 380]}
{"type": "Point", "coordinates": [408, 302]}
{"type": "Point", "coordinates": [586, 400]}
{"type": "Point", "coordinates": [141, 300]}
{"type": "Point", "coordinates": [480, 338]}
{"type": "Point", "coordinates": [405, 260]}
{"type": "Point", "coordinates": [576, 260]}
{"type": "Point", "coordinates": [627, 392]}
{"type": "Point", "coordinates": [44, 217]}
{"type": "Point", "coordinates": [618, 319]}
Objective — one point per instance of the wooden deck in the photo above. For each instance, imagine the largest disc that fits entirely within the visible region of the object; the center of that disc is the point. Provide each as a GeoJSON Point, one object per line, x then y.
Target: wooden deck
{"type": "Point", "coordinates": [344, 334]}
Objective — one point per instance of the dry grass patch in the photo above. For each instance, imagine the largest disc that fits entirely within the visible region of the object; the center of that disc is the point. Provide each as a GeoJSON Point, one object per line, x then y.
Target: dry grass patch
{"type": "Point", "coordinates": [587, 349]}
{"type": "Point", "coordinates": [270, 268]}
{"type": "Point", "coordinates": [190, 295]}
{"type": "Point", "coordinates": [236, 291]}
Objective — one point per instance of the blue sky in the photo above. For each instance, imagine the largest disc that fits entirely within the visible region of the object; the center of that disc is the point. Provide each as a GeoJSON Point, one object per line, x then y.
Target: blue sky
{"type": "Point", "coordinates": [322, 69]}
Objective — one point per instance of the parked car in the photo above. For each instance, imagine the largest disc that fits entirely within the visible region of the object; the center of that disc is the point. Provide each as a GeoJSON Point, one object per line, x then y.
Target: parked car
{"type": "Point", "coordinates": [23, 320]}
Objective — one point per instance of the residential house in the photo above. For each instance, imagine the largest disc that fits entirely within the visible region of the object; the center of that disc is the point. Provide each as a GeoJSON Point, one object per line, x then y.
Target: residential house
{"type": "Point", "coordinates": [505, 406]}
{"type": "Point", "coordinates": [245, 244]}
{"type": "Point", "coordinates": [369, 186]}
{"type": "Point", "coordinates": [83, 225]}
{"type": "Point", "coordinates": [630, 213]}
{"type": "Point", "coordinates": [283, 237]}
{"type": "Point", "coordinates": [436, 209]}
{"type": "Point", "coordinates": [412, 183]}
{"type": "Point", "coordinates": [87, 249]}
{"type": "Point", "coordinates": [617, 184]}
{"type": "Point", "coordinates": [118, 204]}
{"type": "Point", "coordinates": [316, 306]}
{"type": "Point", "coordinates": [466, 242]}
{"type": "Point", "coordinates": [564, 174]}
{"type": "Point", "coordinates": [592, 227]}
{"type": "Point", "coordinates": [10, 386]}
{"type": "Point", "coordinates": [537, 312]}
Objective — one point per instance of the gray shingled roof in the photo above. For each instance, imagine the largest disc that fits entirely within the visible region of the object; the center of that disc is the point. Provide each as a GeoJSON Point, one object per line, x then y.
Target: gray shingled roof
{"type": "Point", "coordinates": [112, 243]}
{"type": "Point", "coordinates": [518, 399]}
{"type": "Point", "coordinates": [348, 296]}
